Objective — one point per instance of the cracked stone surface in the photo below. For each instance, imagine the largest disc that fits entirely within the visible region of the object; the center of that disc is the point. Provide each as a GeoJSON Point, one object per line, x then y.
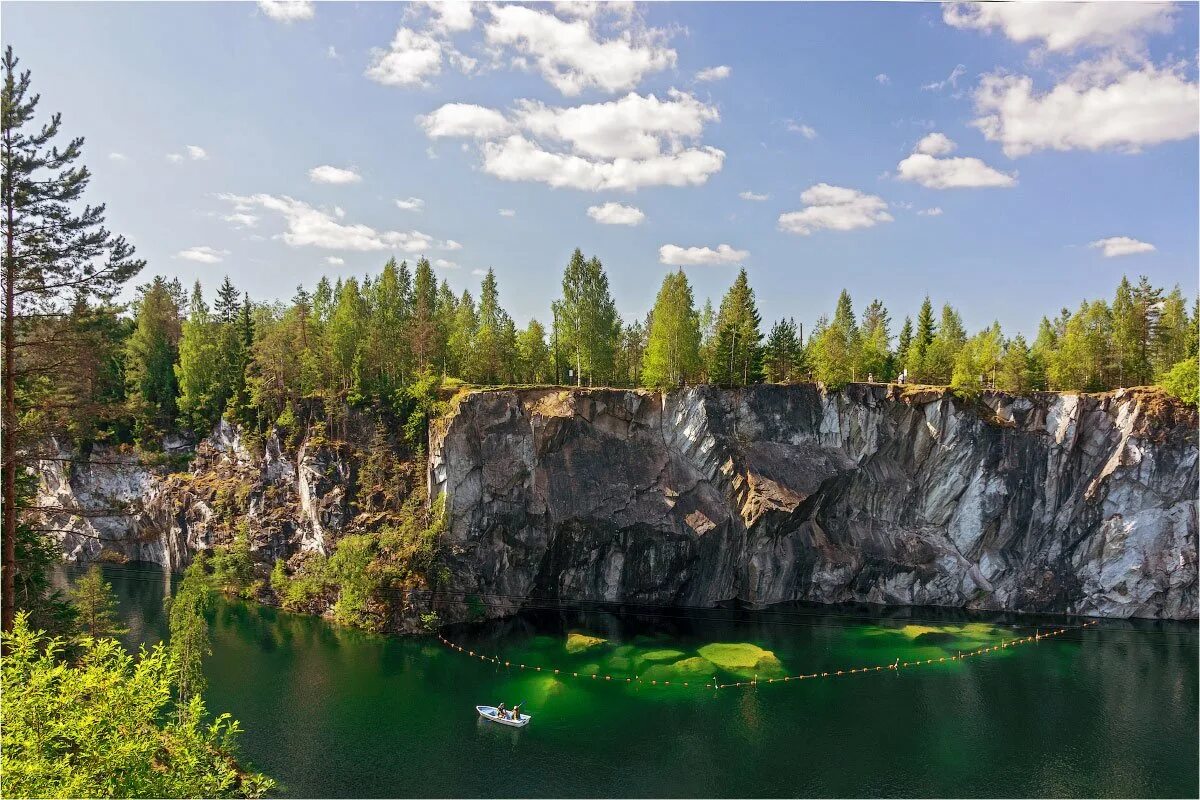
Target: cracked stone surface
{"type": "Point", "coordinates": [1062, 503]}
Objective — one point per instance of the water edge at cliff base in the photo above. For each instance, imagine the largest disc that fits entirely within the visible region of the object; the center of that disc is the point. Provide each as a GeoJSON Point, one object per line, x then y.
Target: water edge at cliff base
{"type": "Point", "coordinates": [331, 712]}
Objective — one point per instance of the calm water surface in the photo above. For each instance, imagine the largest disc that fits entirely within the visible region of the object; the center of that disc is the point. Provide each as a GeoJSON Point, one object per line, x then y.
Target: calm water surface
{"type": "Point", "coordinates": [331, 712]}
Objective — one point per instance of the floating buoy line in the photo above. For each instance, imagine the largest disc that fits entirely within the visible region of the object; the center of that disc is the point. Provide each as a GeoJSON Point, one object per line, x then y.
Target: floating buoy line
{"type": "Point", "coordinates": [895, 666]}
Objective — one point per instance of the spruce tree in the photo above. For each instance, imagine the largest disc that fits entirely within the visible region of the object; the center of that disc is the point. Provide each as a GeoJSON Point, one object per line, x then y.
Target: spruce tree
{"type": "Point", "coordinates": [462, 337]}
{"type": "Point", "coordinates": [735, 358]}
{"type": "Point", "coordinates": [56, 256]}
{"type": "Point", "coordinates": [1015, 373]}
{"type": "Point", "coordinates": [203, 351]}
{"type": "Point", "coordinates": [940, 355]}
{"type": "Point", "coordinates": [903, 343]}
{"type": "Point", "coordinates": [915, 362]}
{"type": "Point", "coordinates": [150, 357]}
{"type": "Point", "coordinates": [423, 328]}
{"type": "Point", "coordinates": [875, 356]}
{"type": "Point", "coordinates": [95, 605]}
{"type": "Point", "coordinates": [782, 355]}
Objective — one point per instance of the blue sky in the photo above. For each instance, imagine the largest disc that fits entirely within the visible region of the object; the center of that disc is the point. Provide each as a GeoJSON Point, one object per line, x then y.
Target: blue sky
{"type": "Point", "coordinates": [1067, 145]}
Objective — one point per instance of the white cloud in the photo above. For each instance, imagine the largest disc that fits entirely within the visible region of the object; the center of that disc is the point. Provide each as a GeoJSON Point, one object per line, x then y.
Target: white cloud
{"type": "Point", "coordinates": [307, 226]}
{"type": "Point", "coordinates": [674, 255]}
{"type": "Point", "coordinates": [204, 254]}
{"type": "Point", "coordinates": [616, 214]}
{"type": "Point", "coordinates": [411, 204]}
{"type": "Point", "coordinates": [951, 80]}
{"type": "Point", "coordinates": [409, 60]}
{"type": "Point", "coordinates": [442, 263]}
{"type": "Point", "coordinates": [935, 144]}
{"type": "Point", "coordinates": [570, 56]}
{"type": "Point", "coordinates": [630, 127]}
{"type": "Point", "coordinates": [287, 10]}
{"type": "Point", "coordinates": [241, 219]}
{"type": "Point", "coordinates": [450, 244]}
{"type": "Point", "coordinates": [882, 79]}
{"type": "Point", "coordinates": [479, 273]}
{"type": "Point", "coordinates": [1100, 105]}
{"type": "Point", "coordinates": [623, 144]}
{"type": "Point", "coordinates": [331, 52]}
{"type": "Point", "coordinates": [174, 158]}
{"type": "Point", "coordinates": [1065, 26]}
{"type": "Point", "coordinates": [1115, 246]}
{"type": "Point", "coordinates": [834, 208]}
{"type": "Point", "coordinates": [334, 261]}
{"type": "Point", "coordinates": [714, 73]}
{"type": "Point", "coordinates": [117, 157]}
{"type": "Point", "coordinates": [464, 119]}
{"type": "Point", "coordinates": [507, 212]}
{"type": "Point", "coordinates": [452, 16]}
{"type": "Point", "coordinates": [930, 212]}
{"type": "Point", "coordinates": [196, 153]}
{"type": "Point", "coordinates": [749, 195]}
{"type": "Point", "coordinates": [807, 131]}
{"type": "Point", "coordinates": [328, 174]}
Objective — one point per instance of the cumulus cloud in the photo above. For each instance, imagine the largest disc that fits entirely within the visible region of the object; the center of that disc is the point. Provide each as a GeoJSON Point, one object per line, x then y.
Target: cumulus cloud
{"type": "Point", "coordinates": [1064, 26]}
{"type": "Point", "coordinates": [674, 255]}
{"type": "Point", "coordinates": [951, 80]}
{"type": "Point", "coordinates": [882, 79]}
{"type": "Point", "coordinates": [749, 195]}
{"type": "Point", "coordinates": [196, 153]}
{"type": "Point", "coordinates": [834, 208]}
{"type": "Point", "coordinates": [1115, 246]}
{"type": "Point", "coordinates": [450, 244]}
{"type": "Point", "coordinates": [306, 226]}
{"type": "Point", "coordinates": [508, 212]}
{"type": "Point", "coordinates": [117, 157]}
{"type": "Point", "coordinates": [571, 56]}
{"type": "Point", "coordinates": [623, 144]}
{"type": "Point", "coordinates": [1101, 105]}
{"type": "Point", "coordinates": [328, 174]}
{"type": "Point", "coordinates": [616, 214]}
{"type": "Point", "coordinates": [935, 144]}
{"type": "Point", "coordinates": [409, 60]}
{"type": "Point", "coordinates": [204, 254]}
{"type": "Point", "coordinates": [924, 167]}
{"type": "Point", "coordinates": [334, 261]}
{"type": "Point", "coordinates": [466, 120]}
{"type": "Point", "coordinates": [807, 131]}
{"type": "Point", "coordinates": [451, 16]}
{"type": "Point", "coordinates": [714, 73]}
{"type": "Point", "coordinates": [411, 204]}
{"type": "Point", "coordinates": [287, 10]}
{"type": "Point", "coordinates": [174, 158]}
{"type": "Point", "coordinates": [442, 263]}
{"type": "Point", "coordinates": [241, 219]}
{"type": "Point", "coordinates": [930, 212]}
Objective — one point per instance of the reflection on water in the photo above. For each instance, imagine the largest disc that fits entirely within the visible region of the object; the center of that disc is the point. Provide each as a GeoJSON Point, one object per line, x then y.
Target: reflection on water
{"type": "Point", "coordinates": [1110, 711]}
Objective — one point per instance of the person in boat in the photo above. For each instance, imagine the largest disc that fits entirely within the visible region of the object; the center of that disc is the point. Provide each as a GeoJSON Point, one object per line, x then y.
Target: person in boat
{"type": "Point", "coordinates": [516, 712]}
{"type": "Point", "coordinates": [500, 712]}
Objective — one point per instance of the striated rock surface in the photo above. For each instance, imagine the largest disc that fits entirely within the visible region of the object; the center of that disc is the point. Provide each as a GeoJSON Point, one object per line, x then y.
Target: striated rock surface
{"type": "Point", "coordinates": [1056, 502]}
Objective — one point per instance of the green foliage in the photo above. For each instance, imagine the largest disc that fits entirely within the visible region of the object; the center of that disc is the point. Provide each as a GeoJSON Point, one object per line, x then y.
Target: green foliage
{"type": "Point", "coordinates": [95, 605]}
{"type": "Point", "coordinates": [150, 358]}
{"type": "Point", "coordinates": [1181, 380]}
{"type": "Point", "coordinates": [783, 357]}
{"type": "Point", "coordinates": [735, 355]}
{"type": "Point", "coordinates": [586, 320]}
{"type": "Point", "coordinates": [354, 570]}
{"type": "Point", "coordinates": [99, 726]}
{"type": "Point", "coordinates": [418, 403]}
{"type": "Point", "coordinates": [233, 567]}
{"type": "Point", "coordinates": [200, 372]}
{"type": "Point", "coordinates": [188, 625]}
{"type": "Point", "coordinates": [430, 621]}
{"type": "Point", "coordinates": [673, 347]}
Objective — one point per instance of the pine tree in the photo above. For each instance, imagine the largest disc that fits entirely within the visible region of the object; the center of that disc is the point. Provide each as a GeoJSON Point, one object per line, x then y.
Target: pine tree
{"type": "Point", "coordinates": [783, 358]}
{"type": "Point", "coordinates": [875, 356]}
{"type": "Point", "coordinates": [55, 257]}
{"type": "Point", "coordinates": [462, 336]}
{"type": "Point", "coordinates": [96, 605]}
{"type": "Point", "coordinates": [903, 343]}
{"type": "Point", "coordinates": [423, 328]}
{"type": "Point", "coordinates": [926, 330]}
{"type": "Point", "coordinates": [150, 359]}
{"type": "Point", "coordinates": [735, 358]}
{"type": "Point", "coordinates": [202, 351]}
{"type": "Point", "coordinates": [673, 345]}
{"type": "Point", "coordinates": [344, 334]}
{"type": "Point", "coordinates": [940, 355]}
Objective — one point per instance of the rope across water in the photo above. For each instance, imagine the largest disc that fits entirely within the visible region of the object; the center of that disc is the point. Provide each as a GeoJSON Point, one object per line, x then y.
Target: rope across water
{"type": "Point", "coordinates": [895, 666]}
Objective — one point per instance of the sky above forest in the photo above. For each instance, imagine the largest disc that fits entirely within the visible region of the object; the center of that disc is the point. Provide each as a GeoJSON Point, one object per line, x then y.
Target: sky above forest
{"type": "Point", "coordinates": [1011, 159]}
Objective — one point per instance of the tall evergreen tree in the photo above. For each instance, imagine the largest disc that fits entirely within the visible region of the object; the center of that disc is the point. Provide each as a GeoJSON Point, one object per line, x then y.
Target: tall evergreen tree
{"type": "Point", "coordinates": [462, 336]}
{"type": "Point", "coordinates": [586, 320]}
{"type": "Point", "coordinates": [1174, 331]}
{"type": "Point", "coordinates": [940, 355]}
{"type": "Point", "coordinates": [96, 605]}
{"type": "Point", "coordinates": [926, 330]}
{"type": "Point", "coordinates": [875, 356]}
{"type": "Point", "coordinates": [423, 328]}
{"type": "Point", "coordinates": [735, 358]}
{"type": "Point", "coordinates": [673, 345]}
{"type": "Point", "coordinates": [1015, 374]}
{"type": "Point", "coordinates": [903, 343]}
{"type": "Point", "coordinates": [150, 359]}
{"type": "Point", "coordinates": [783, 357]}
{"type": "Point", "coordinates": [55, 257]}
{"type": "Point", "coordinates": [202, 367]}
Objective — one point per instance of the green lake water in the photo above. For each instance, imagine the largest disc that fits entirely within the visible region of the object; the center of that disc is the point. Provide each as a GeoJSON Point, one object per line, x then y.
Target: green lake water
{"type": "Point", "coordinates": [330, 712]}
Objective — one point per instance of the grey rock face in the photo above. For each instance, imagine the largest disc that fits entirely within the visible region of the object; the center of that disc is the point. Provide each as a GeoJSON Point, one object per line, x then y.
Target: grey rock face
{"type": "Point", "coordinates": [1062, 503]}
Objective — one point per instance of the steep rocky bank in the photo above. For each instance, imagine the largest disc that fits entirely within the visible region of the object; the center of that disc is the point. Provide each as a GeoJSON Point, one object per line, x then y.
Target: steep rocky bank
{"type": "Point", "coordinates": [1059, 503]}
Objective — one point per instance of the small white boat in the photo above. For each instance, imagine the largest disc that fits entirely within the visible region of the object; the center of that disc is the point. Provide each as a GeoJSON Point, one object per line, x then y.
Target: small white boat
{"type": "Point", "coordinates": [489, 712]}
